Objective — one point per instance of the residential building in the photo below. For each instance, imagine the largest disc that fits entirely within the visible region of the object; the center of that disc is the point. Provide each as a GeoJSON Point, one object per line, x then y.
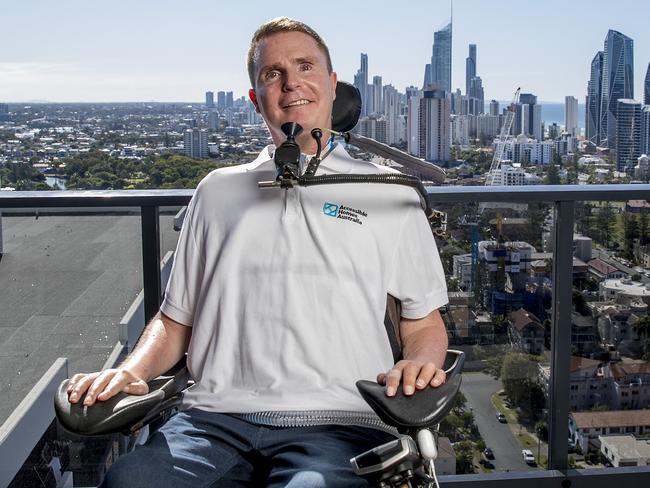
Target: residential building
{"type": "Point", "coordinates": [229, 100]}
{"type": "Point", "coordinates": [494, 107]}
{"type": "Point", "coordinates": [625, 450]}
{"type": "Point", "coordinates": [434, 125]}
{"type": "Point", "coordinates": [646, 87]}
{"type": "Point", "coordinates": [631, 382]}
{"type": "Point", "coordinates": [221, 100]}
{"type": "Point", "coordinates": [628, 134]}
{"type": "Point", "coordinates": [525, 332]}
{"type": "Point", "coordinates": [526, 150]}
{"type": "Point", "coordinates": [645, 130]}
{"type": "Point", "coordinates": [586, 427]}
{"type": "Point", "coordinates": [378, 94]}
{"type": "Point", "coordinates": [642, 169]}
{"type": "Point", "coordinates": [624, 290]}
{"type": "Point", "coordinates": [508, 175]}
{"type": "Point", "coordinates": [617, 83]}
{"type": "Point", "coordinates": [603, 271]}
{"type": "Point", "coordinates": [488, 125]}
{"type": "Point", "coordinates": [460, 129]}
{"type": "Point", "coordinates": [196, 143]}
{"type": "Point", "coordinates": [462, 270]}
{"type": "Point", "coordinates": [413, 122]}
{"type": "Point", "coordinates": [615, 321]}
{"type": "Point", "coordinates": [209, 99]}
{"type": "Point", "coordinates": [571, 115]}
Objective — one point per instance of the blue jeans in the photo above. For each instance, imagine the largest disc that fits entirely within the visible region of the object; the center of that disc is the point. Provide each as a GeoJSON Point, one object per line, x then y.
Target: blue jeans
{"type": "Point", "coordinates": [203, 449]}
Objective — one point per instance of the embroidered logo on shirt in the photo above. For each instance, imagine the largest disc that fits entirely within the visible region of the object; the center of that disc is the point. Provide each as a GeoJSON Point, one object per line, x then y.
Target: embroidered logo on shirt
{"type": "Point", "coordinates": [344, 213]}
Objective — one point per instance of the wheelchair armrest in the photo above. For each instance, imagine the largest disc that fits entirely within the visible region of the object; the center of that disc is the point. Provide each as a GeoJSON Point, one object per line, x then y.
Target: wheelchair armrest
{"type": "Point", "coordinates": [123, 412]}
{"type": "Point", "coordinates": [425, 408]}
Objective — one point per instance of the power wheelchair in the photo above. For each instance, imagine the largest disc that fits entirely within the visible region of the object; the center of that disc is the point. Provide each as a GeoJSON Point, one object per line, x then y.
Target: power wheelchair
{"type": "Point", "coordinates": [407, 461]}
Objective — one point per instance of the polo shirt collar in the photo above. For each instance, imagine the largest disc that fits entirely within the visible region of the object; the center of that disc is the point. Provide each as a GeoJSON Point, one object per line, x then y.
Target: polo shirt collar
{"type": "Point", "coordinates": [337, 161]}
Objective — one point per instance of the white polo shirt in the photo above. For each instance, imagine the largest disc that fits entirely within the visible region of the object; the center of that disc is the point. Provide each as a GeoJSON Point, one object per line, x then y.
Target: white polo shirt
{"type": "Point", "coordinates": [286, 289]}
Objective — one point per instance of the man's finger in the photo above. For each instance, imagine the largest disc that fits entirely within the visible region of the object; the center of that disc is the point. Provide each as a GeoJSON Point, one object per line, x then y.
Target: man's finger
{"type": "Point", "coordinates": [426, 375]}
{"type": "Point", "coordinates": [98, 386]}
{"type": "Point", "coordinates": [439, 378]}
{"type": "Point", "coordinates": [392, 381]}
{"type": "Point", "coordinates": [409, 375]}
{"type": "Point", "coordinates": [381, 378]}
{"type": "Point", "coordinates": [80, 386]}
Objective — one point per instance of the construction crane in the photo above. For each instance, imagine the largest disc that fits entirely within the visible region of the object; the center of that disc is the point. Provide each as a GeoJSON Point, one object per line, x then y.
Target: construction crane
{"type": "Point", "coordinates": [504, 139]}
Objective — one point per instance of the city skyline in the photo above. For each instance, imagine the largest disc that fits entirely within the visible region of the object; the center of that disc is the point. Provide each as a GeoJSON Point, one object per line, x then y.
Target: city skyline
{"type": "Point", "coordinates": [172, 51]}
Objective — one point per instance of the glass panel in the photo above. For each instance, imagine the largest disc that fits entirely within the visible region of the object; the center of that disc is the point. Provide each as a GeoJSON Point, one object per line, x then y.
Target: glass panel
{"type": "Point", "coordinates": [68, 277]}
{"type": "Point", "coordinates": [610, 331]}
{"type": "Point", "coordinates": [500, 295]}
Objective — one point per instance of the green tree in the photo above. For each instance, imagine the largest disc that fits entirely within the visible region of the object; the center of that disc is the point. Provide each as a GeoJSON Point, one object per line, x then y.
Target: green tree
{"type": "Point", "coordinates": [630, 234]}
{"type": "Point", "coordinates": [552, 175]}
{"type": "Point", "coordinates": [605, 224]}
{"type": "Point", "coordinates": [464, 457]}
{"type": "Point", "coordinates": [518, 375]}
{"type": "Point", "coordinates": [541, 429]}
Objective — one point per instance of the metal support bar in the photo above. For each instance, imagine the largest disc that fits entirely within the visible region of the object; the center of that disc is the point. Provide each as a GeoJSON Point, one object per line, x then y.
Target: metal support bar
{"type": "Point", "coordinates": [150, 260]}
{"type": "Point", "coordinates": [561, 335]}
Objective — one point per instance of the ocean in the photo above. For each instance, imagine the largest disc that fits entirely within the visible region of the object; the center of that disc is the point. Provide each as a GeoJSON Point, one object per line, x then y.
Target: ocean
{"type": "Point", "coordinates": [552, 112]}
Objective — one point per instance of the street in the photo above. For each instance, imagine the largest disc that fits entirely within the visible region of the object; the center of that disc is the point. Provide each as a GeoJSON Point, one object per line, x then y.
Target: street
{"type": "Point", "coordinates": [478, 388]}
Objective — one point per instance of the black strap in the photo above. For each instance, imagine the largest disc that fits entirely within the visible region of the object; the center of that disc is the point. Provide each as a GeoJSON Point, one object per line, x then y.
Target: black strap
{"type": "Point", "coordinates": [391, 322]}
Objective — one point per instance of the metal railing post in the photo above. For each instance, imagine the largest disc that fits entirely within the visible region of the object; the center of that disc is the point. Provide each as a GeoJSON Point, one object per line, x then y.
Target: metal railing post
{"type": "Point", "coordinates": [561, 335]}
{"type": "Point", "coordinates": [150, 260]}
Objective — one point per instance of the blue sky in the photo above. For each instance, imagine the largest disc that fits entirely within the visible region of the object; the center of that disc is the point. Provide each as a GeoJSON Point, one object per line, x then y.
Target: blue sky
{"type": "Point", "coordinates": [175, 50]}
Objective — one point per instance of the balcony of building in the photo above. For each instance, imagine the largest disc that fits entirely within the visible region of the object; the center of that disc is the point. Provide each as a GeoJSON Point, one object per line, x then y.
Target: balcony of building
{"type": "Point", "coordinates": [81, 271]}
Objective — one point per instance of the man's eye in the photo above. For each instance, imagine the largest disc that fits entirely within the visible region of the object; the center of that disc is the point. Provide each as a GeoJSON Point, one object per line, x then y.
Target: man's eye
{"type": "Point", "coordinates": [270, 75]}
{"type": "Point", "coordinates": [305, 67]}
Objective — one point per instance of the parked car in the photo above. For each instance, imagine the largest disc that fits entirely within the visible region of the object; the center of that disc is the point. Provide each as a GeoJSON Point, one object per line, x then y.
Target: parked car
{"type": "Point", "coordinates": [528, 457]}
{"type": "Point", "coordinates": [502, 418]}
{"type": "Point", "coordinates": [488, 453]}
{"type": "Point", "coordinates": [485, 463]}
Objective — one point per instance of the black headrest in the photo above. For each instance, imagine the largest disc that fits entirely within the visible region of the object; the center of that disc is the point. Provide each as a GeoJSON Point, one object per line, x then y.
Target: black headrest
{"type": "Point", "coordinates": [347, 107]}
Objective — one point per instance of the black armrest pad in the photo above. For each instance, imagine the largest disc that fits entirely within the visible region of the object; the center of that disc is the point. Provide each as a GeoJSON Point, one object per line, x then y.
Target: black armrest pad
{"type": "Point", "coordinates": [425, 408]}
{"type": "Point", "coordinates": [121, 412]}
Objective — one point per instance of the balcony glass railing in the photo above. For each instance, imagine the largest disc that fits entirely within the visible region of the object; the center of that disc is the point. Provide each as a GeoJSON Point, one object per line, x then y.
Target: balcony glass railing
{"type": "Point", "coordinates": [549, 341]}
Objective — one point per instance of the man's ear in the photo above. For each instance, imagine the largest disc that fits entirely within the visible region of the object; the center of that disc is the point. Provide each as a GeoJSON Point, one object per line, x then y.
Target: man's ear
{"type": "Point", "coordinates": [333, 78]}
{"type": "Point", "coordinates": [253, 97]}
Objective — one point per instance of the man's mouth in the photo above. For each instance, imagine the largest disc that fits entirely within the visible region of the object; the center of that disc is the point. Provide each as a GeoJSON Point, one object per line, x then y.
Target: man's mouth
{"type": "Point", "coordinates": [297, 103]}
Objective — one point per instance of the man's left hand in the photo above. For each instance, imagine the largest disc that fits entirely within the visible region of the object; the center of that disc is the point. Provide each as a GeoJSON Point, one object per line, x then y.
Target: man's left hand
{"type": "Point", "coordinates": [414, 375]}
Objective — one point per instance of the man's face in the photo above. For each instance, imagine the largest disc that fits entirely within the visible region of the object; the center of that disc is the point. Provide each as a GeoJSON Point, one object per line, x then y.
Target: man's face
{"type": "Point", "coordinates": [292, 85]}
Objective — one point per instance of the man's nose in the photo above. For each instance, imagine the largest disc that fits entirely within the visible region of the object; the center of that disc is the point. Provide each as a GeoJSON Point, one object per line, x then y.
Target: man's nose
{"type": "Point", "coordinates": [292, 81]}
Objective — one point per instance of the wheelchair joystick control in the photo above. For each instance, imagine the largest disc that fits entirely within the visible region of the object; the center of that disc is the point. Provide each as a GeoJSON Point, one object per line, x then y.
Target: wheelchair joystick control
{"type": "Point", "coordinates": [287, 156]}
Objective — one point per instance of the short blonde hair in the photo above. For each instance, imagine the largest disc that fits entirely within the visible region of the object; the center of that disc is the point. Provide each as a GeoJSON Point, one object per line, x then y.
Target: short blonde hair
{"type": "Point", "coordinates": [276, 26]}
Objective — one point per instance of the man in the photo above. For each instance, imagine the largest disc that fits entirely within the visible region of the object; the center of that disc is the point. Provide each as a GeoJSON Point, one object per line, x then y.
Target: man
{"type": "Point", "coordinates": [278, 297]}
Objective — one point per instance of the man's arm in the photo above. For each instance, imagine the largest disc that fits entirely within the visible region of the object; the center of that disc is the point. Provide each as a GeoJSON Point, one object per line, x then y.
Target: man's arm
{"type": "Point", "coordinates": [424, 346]}
{"type": "Point", "coordinates": [161, 346]}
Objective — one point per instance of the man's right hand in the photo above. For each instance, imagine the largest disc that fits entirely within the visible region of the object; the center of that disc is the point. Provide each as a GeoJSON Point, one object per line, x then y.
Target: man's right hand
{"type": "Point", "coordinates": [105, 384]}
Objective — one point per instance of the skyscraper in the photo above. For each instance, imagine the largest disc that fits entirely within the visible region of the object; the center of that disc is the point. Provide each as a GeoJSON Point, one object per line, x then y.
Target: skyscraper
{"type": "Point", "coordinates": [361, 82]}
{"type": "Point", "coordinates": [494, 107]}
{"type": "Point", "coordinates": [229, 100]}
{"type": "Point", "coordinates": [618, 83]}
{"type": "Point", "coordinates": [470, 67]}
{"type": "Point", "coordinates": [529, 115]}
{"type": "Point", "coordinates": [221, 100]}
{"type": "Point", "coordinates": [434, 131]}
{"type": "Point", "coordinates": [571, 115]}
{"type": "Point", "coordinates": [413, 121]}
{"type": "Point", "coordinates": [628, 133]}
{"type": "Point", "coordinates": [476, 96]}
{"type": "Point", "coordinates": [592, 108]}
{"type": "Point", "coordinates": [645, 130]}
{"type": "Point", "coordinates": [391, 111]}
{"type": "Point", "coordinates": [441, 58]}
{"type": "Point", "coordinates": [646, 87]}
{"type": "Point", "coordinates": [209, 99]}
{"type": "Point", "coordinates": [378, 91]}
